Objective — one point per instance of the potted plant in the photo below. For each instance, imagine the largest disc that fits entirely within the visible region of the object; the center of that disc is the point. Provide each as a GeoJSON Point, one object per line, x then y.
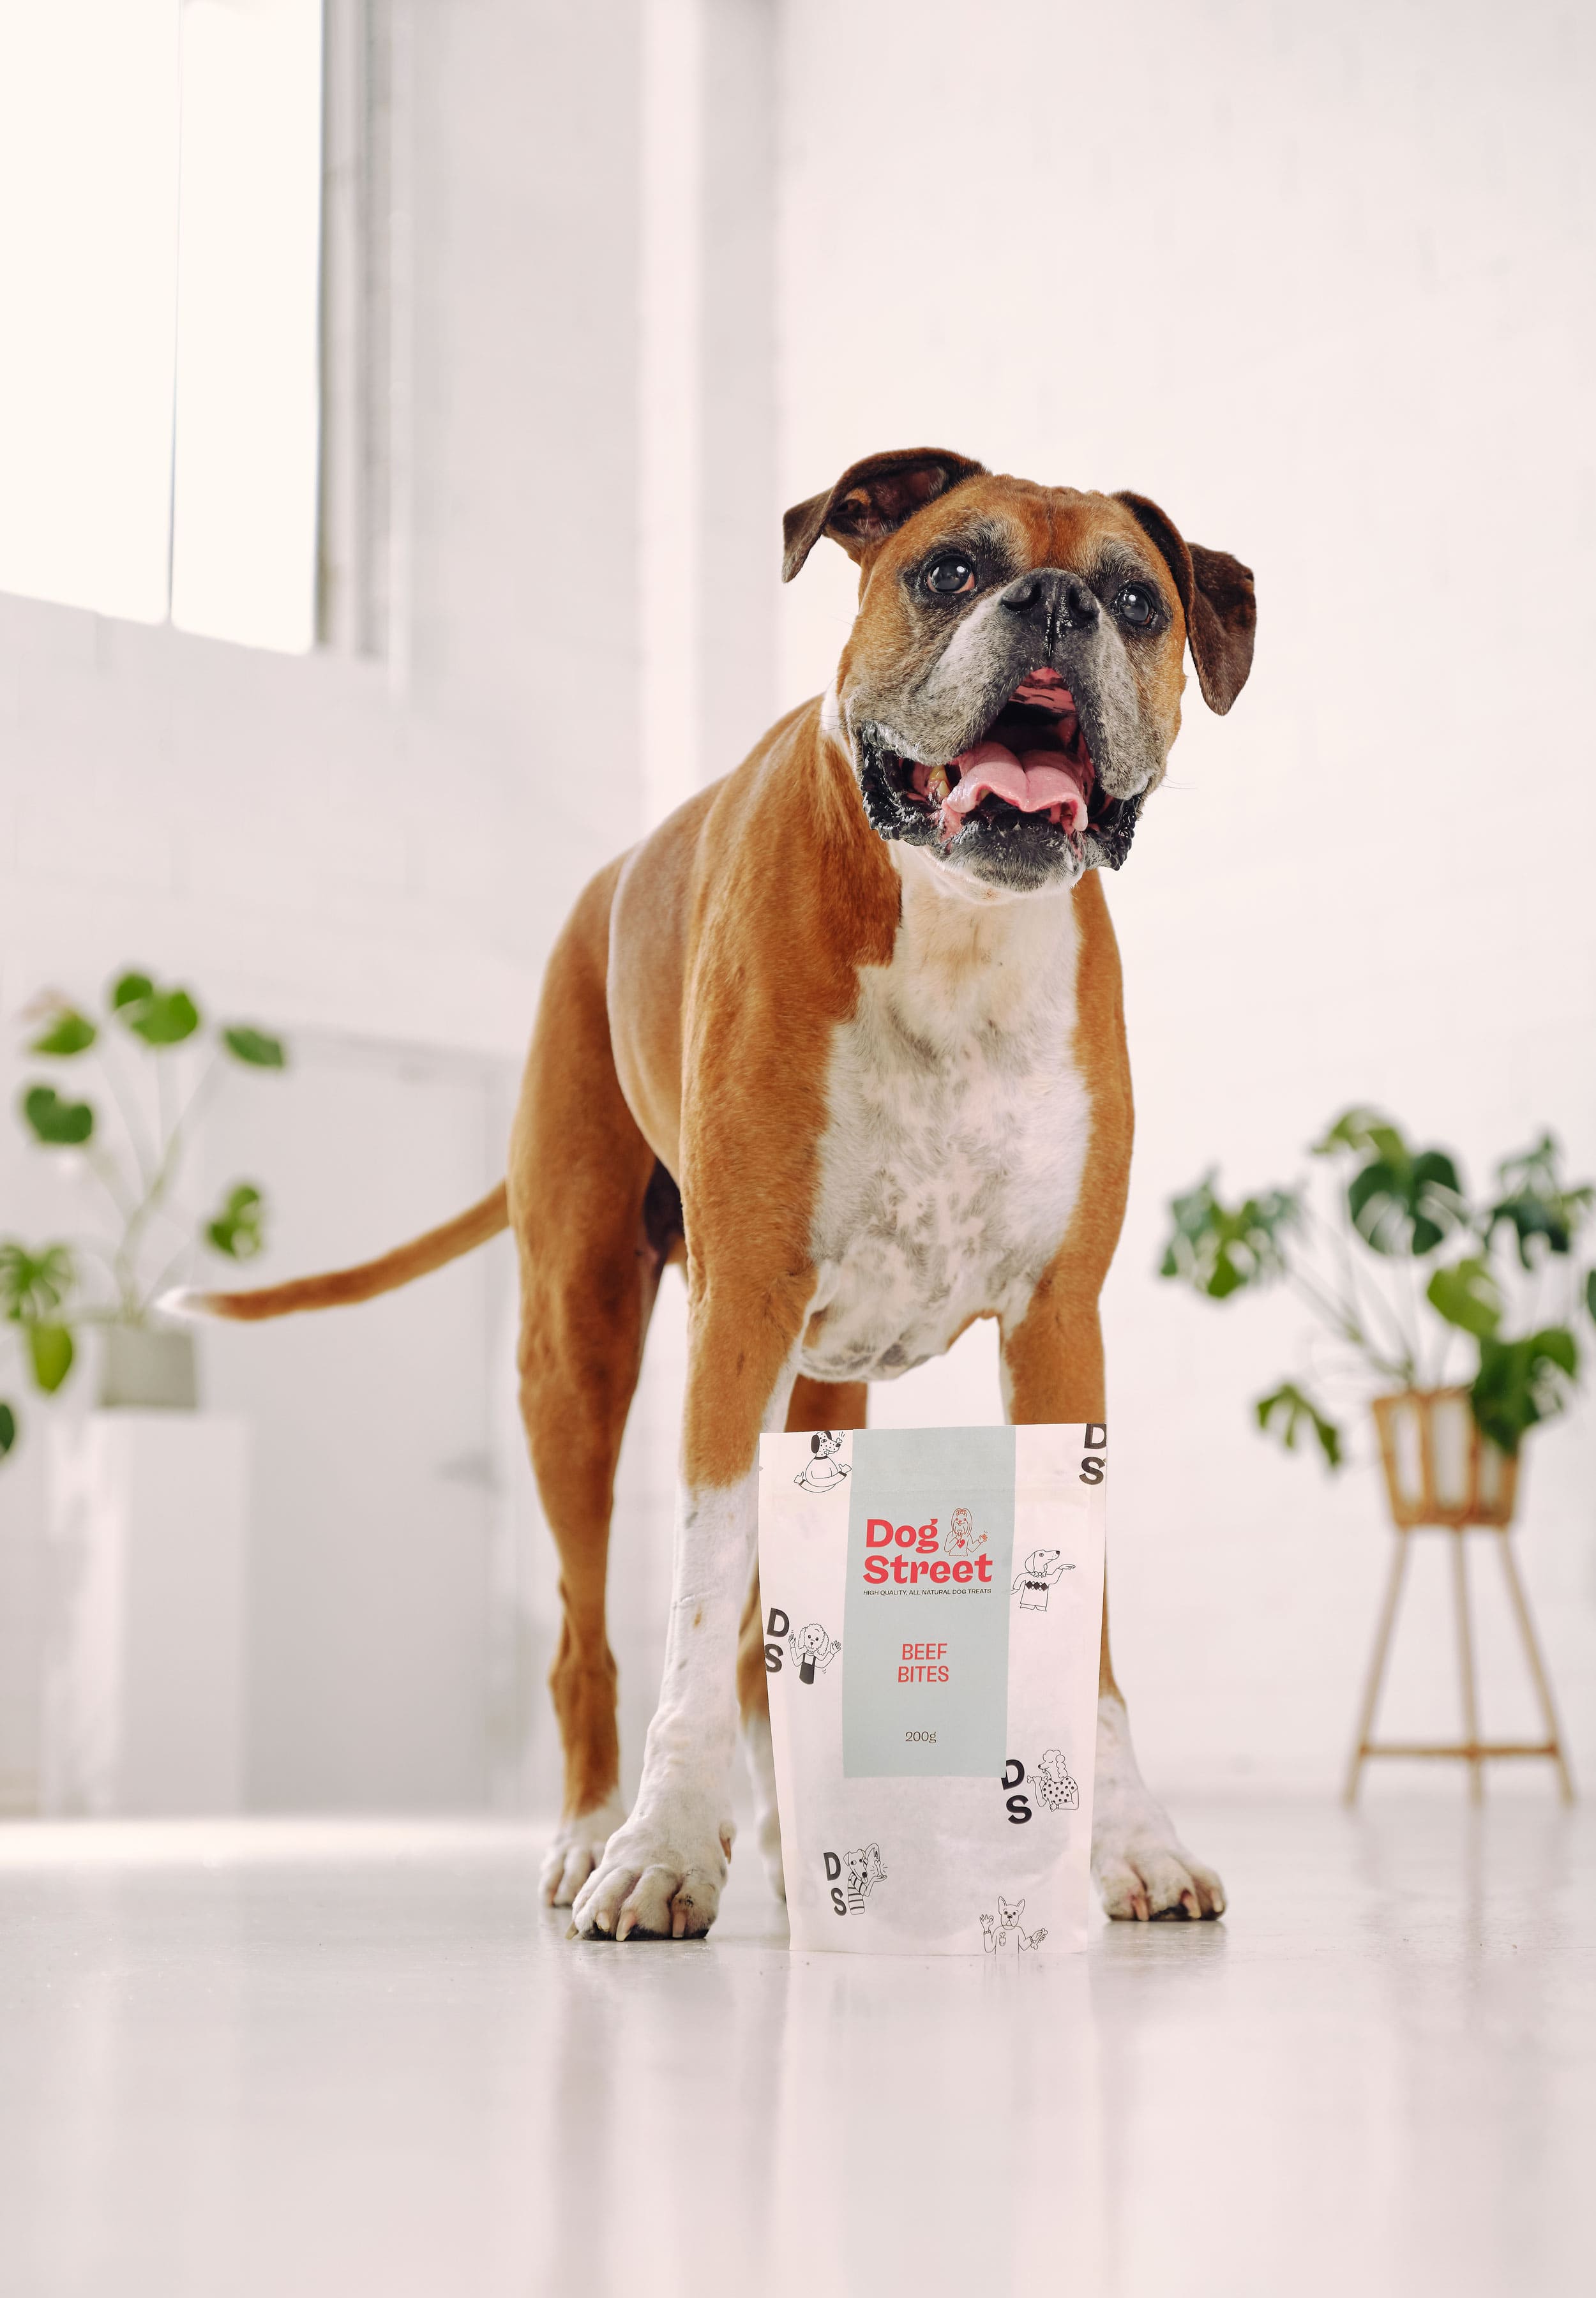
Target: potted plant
{"type": "Point", "coordinates": [1503, 1294]}
{"type": "Point", "coordinates": [132, 1139]}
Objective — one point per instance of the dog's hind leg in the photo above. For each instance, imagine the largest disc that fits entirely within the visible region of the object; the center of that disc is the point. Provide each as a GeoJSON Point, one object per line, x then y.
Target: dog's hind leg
{"type": "Point", "coordinates": [815, 1404]}
{"type": "Point", "coordinates": [590, 1212]}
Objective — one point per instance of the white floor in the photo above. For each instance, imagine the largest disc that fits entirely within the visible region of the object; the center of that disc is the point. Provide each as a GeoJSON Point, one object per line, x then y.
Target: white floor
{"type": "Point", "coordinates": [287, 2060]}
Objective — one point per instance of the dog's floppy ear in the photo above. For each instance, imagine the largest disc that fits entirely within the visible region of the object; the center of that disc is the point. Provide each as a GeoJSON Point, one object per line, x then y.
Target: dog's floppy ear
{"type": "Point", "coordinates": [870, 501]}
{"type": "Point", "coordinates": [1216, 591]}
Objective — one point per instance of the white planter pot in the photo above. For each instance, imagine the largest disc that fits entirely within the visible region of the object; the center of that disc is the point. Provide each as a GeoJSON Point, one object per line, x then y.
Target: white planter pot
{"type": "Point", "coordinates": [148, 1369]}
{"type": "Point", "coordinates": [144, 1672]}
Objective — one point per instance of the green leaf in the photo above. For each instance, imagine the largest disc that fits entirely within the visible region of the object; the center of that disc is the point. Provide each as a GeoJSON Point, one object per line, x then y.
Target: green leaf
{"type": "Point", "coordinates": [1219, 1252]}
{"type": "Point", "coordinates": [165, 1017]}
{"type": "Point", "coordinates": [8, 1429]}
{"type": "Point", "coordinates": [239, 1227]}
{"type": "Point", "coordinates": [59, 1124]}
{"type": "Point", "coordinates": [32, 1285]}
{"type": "Point", "coordinates": [254, 1047]}
{"type": "Point", "coordinates": [68, 1032]}
{"type": "Point", "coordinates": [1406, 1205]}
{"type": "Point", "coordinates": [1591, 1292]}
{"type": "Point", "coordinates": [1467, 1295]}
{"type": "Point", "coordinates": [130, 989]}
{"type": "Point", "coordinates": [1522, 1383]}
{"type": "Point", "coordinates": [1536, 1203]}
{"type": "Point", "coordinates": [1361, 1131]}
{"type": "Point", "coordinates": [50, 1347]}
{"type": "Point", "coordinates": [1287, 1410]}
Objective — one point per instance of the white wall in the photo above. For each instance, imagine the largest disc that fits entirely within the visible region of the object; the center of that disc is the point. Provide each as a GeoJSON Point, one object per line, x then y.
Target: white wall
{"type": "Point", "coordinates": [1319, 282]}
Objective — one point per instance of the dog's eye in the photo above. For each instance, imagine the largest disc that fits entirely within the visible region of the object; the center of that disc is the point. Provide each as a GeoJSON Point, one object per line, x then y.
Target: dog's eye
{"type": "Point", "coordinates": [947, 577]}
{"type": "Point", "coordinates": [1136, 605]}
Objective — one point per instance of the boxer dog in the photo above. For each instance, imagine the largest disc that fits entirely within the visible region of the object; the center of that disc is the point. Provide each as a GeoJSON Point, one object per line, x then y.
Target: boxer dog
{"type": "Point", "coordinates": [845, 1035]}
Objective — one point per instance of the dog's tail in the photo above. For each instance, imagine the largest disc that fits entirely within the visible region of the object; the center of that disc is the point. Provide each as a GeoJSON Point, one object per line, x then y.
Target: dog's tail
{"type": "Point", "coordinates": [340, 1288]}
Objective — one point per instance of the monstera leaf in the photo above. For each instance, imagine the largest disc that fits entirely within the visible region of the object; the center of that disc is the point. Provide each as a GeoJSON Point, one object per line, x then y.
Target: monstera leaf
{"type": "Point", "coordinates": [1535, 1203]}
{"type": "Point", "coordinates": [1289, 1412]}
{"type": "Point", "coordinates": [1521, 1383]}
{"type": "Point", "coordinates": [33, 1285]}
{"type": "Point", "coordinates": [1467, 1295]}
{"type": "Point", "coordinates": [1219, 1252]}
{"type": "Point", "coordinates": [59, 1124]}
{"type": "Point", "coordinates": [1400, 1201]}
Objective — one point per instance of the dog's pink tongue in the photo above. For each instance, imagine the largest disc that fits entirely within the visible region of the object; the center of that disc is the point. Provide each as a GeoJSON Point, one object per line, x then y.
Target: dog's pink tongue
{"type": "Point", "coordinates": [1034, 783]}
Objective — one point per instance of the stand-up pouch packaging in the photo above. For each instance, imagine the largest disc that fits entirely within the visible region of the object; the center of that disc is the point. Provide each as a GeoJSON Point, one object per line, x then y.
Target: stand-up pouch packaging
{"type": "Point", "coordinates": [933, 1606]}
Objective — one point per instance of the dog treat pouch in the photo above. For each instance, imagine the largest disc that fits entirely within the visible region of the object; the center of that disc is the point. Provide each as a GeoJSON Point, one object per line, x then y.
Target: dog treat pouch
{"type": "Point", "coordinates": [933, 1606]}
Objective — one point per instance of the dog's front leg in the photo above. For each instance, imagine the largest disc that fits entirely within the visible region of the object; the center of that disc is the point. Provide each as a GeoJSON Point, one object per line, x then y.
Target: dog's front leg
{"type": "Point", "coordinates": [1053, 1371]}
{"type": "Point", "coordinates": [662, 1872]}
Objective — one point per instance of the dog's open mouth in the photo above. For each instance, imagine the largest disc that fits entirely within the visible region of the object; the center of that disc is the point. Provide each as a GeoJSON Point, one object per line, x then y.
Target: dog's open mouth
{"type": "Point", "coordinates": [1031, 771]}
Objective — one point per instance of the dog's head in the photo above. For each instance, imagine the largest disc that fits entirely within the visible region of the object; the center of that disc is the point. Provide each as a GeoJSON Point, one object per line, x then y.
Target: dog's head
{"type": "Point", "coordinates": [1010, 1912]}
{"type": "Point", "coordinates": [812, 1639]}
{"type": "Point", "coordinates": [1011, 685]}
{"type": "Point", "coordinates": [1040, 1561]}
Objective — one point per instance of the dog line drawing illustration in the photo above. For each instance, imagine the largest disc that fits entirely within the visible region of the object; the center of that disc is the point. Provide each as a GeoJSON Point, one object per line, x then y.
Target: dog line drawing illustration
{"type": "Point", "coordinates": [960, 1538]}
{"type": "Point", "coordinates": [823, 1472]}
{"type": "Point", "coordinates": [1042, 1567]}
{"type": "Point", "coordinates": [1051, 1780]}
{"type": "Point", "coordinates": [812, 1648]}
{"type": "Point", "coordinates": [863, 1872]}
{"type": "Point", "coordinates": [996, 1928]}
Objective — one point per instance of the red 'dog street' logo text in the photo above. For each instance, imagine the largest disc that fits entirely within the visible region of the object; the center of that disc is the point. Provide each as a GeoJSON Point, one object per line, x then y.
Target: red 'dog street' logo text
{"type": "Point", "coordinates": [915, 1555]}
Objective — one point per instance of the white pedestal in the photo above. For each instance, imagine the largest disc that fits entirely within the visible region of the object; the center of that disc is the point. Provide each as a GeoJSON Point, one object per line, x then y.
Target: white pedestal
{"type": "Point", "coordinates": [142, 1701]}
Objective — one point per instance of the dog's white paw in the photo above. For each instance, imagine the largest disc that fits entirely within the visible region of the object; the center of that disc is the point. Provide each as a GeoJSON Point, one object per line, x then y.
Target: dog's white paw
{"type": "Point", "coordinates": [658, 1878]}
{"type": "Point", "coordinates": [576, 1850]}
{"type": "Point", "coordinates": [1144, 1874]}
{"type": "Point", "coordinates": [1141, 1868]}
{"type": "Point", "coordinates": [767, 1823]}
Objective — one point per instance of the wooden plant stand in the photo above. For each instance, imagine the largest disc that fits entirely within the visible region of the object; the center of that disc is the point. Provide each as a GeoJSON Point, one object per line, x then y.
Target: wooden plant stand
{"type": "Point", "coordinates": [1440, 1475]}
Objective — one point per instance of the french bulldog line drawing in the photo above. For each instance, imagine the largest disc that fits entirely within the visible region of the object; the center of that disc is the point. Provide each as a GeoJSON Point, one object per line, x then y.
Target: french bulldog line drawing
{"type": "Point", "coordinates": [995, 1930]}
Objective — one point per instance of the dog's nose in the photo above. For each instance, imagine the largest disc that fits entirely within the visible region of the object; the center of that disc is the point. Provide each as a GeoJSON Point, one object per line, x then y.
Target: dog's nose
{"type": "Point", "coordinates": [1054, 600]}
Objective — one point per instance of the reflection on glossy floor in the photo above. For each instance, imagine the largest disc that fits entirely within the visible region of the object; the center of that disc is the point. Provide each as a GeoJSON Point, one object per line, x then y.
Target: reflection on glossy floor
{"type": "Point", "coordinates": [268, 2059]}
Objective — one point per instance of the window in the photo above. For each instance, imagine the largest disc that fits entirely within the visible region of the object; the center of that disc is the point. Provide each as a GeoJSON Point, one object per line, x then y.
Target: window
{"type": "Point", "coordinates": [159, 283]}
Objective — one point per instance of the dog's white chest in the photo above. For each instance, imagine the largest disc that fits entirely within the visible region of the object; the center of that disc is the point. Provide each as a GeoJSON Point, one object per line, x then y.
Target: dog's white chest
{"type": "Point", "coordinates": [957, 1128]}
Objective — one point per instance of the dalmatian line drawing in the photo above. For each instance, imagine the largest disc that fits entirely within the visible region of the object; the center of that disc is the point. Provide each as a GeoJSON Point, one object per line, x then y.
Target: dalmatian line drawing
{"type": "Point", "coordinates": [863, 1871]}
{"type": "Point", "coordinates": [1007, 1920]}
{"type": "Point", "coordinates": [1041, 1569]}
{"type": "Point", "coordinates": [812, 1648]}
{"type": "Point", "coordinates": [822, 1472]}
{"type": "Point", "coordinates": [960, 1538]}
